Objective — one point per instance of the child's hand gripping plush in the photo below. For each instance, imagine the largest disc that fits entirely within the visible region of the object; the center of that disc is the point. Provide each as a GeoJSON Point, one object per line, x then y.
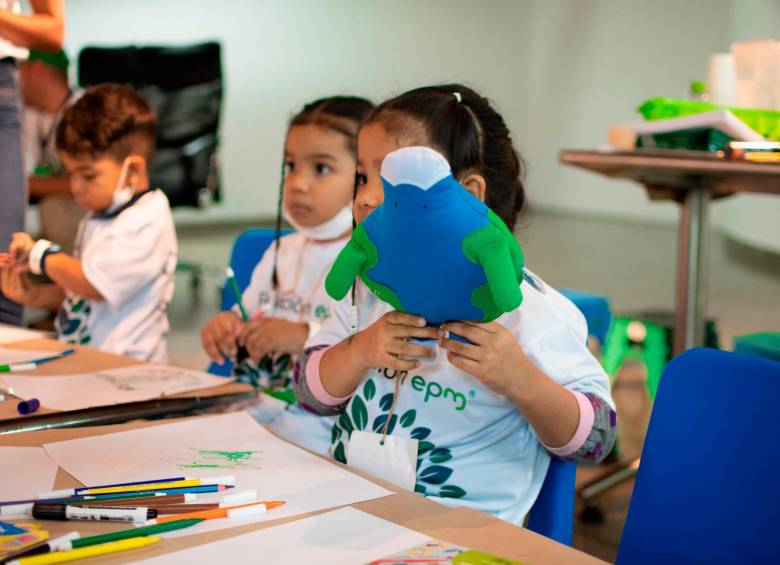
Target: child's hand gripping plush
{"type": "Point", "coordinates": [432, 249]}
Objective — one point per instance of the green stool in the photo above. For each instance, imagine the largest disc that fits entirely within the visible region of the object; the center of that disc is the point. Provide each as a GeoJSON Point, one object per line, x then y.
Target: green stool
{"type": "Point", "coordinates": [764, 344]}
{"type": "Point", "coordinates": [647, 337]}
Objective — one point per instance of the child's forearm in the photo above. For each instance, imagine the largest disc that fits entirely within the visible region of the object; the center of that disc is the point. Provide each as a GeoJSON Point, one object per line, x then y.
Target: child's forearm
{"type": "Point", "coordinates": [344, 372]}
{"type": "Point", "coordinates": [341, 367]}
{"type": "Point", "coordinates": [48, 296]}
{"type": "Point", "coordinates": [67, 273]}
{"type": "Point", "coordinates": [569, 424]}
{"type": "Point", "coordinates": [551, 409]}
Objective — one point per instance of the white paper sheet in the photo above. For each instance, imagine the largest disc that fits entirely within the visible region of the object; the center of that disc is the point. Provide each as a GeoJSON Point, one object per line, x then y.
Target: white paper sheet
{"type": "Point", "coordinates": [14, 356]}
{"type": "Point", "coordinates": [113, 386]}
{"type": "Point", "coordinates": [9, 334]}
{"type": "Point", "coordinates": [229, 444]}
{"type": "Point", "coordinates": [24, 472]}
{"type": "Point", "coordinates": [341, 537]}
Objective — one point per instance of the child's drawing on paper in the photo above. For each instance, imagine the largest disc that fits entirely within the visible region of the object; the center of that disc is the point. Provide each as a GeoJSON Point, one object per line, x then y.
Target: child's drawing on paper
{"type": "Point", "coordinates": [219, 459]}
{"type": "Point", "coordinates": [168, 380]}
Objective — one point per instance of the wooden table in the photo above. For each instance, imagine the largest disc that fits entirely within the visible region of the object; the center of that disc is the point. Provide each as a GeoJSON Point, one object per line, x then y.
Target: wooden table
{"type": "Point", "coordinates": [691, 179]}
{"type": "Point", "coordinates": [86, 359]}
{"type": "Point", "coordinates": [462, 526]}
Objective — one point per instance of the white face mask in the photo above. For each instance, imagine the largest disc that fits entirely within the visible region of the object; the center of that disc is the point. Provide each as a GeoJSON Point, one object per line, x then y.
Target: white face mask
{"type": "Point", "coordinates": [122, 193]}
{"type": "Point", "coordinates": [337, 226]}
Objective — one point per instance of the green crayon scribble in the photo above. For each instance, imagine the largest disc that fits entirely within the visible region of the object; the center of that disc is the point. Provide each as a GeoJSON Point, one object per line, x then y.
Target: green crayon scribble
{"type": "Point", "coordinates": [196, 465]}
{"type": "Point", "coordinates": [221, 459]}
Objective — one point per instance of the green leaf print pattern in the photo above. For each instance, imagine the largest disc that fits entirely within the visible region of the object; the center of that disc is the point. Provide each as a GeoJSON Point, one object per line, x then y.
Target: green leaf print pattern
{"type": "Point", "coordinates": [431, 474]}
{"type": "Point", "coordinates": [379, 423]}
{"type": "Point", "coordinates": [359, 413]}
{"type": "Point", "coordinates": [72, 321]}
{"type": "Point", "coordinates": [369, 389]}
{"type": "Point", "coordinates": [271, 372]}
{"type": "Point", "coordinates": [408, 418]}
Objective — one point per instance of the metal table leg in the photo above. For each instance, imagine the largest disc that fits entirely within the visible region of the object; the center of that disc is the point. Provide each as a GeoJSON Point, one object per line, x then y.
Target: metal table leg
{"type": "Point", "coordinates": [691, 295]}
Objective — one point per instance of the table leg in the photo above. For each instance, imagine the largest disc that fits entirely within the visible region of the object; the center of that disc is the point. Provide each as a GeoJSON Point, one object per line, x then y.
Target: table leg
{"type": "Point", "coordinates": [691, 296]}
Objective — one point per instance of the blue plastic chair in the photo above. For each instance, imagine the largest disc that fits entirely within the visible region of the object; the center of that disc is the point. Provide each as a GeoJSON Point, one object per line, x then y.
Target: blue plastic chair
{"type": "Point", "coordinates": [552, 515]}
{"type": "Point", "coordinates": [247, 251]}
{"type": "Point", "coordinates": [596, 310]}
{"type": "Point", "coordinates": [553, 512]}
{"type": "Point", "coordinates": [707, 488]}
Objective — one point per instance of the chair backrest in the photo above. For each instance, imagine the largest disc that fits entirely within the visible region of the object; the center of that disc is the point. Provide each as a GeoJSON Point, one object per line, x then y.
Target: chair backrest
{"type": "Point", "coordinates": [707, 488]}
{"type": "Point", "coordinates": [596, 310]}
{"type": "Point", "coordinates": [184, 86]}
{"type": "Point", "coordinates": [552, 514]}
{"type": "Point", "coordinates": [248, 249]}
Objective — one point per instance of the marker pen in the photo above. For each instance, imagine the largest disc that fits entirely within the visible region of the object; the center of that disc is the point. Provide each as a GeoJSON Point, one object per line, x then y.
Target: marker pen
{"type": "Point", "coordinates": [45, 511]}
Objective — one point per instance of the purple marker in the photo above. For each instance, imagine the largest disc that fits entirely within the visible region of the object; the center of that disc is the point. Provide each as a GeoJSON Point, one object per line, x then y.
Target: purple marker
{"type": "Point", "coordinates": [28, 406]}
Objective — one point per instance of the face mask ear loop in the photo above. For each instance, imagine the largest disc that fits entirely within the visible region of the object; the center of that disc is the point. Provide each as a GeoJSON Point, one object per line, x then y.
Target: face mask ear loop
{"type": "Point", "coordinates": [120, 185]}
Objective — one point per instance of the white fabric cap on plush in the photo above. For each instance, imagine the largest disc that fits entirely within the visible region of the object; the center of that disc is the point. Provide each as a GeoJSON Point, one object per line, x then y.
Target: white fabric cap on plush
{"type": "Point", "coordinates": [422, 167]}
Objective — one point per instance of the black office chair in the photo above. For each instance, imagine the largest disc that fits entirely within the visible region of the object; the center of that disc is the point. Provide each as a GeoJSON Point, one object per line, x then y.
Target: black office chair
{"type": "Point", "coordinates": [184, 86]}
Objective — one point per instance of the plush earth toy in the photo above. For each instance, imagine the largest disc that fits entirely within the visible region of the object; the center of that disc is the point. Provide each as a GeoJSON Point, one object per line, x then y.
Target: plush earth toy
{"type": "Point", "coordinates": [432, 248]}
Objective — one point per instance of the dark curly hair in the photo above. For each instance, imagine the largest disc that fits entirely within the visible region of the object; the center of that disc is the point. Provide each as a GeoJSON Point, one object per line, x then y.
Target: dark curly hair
{"type": "Point", "coordinates": [108, 120]}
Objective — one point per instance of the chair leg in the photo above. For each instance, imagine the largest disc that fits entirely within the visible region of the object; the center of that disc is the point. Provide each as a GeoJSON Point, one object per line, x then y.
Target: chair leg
{"type": "Point", "coordinates": [588, 492]}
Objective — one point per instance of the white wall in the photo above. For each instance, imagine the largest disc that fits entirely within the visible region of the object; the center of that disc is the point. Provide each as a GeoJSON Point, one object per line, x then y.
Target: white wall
{"type": "Point", "coordinates": [592, 63]}
{"type": "Point", "coordinates": [561, 71]}
{"type": "Point", "coordinates": [278, 55]}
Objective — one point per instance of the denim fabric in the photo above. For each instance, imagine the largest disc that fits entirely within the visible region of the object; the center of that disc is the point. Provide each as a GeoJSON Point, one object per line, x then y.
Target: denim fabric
{"type": "Point", "coordinates": [12, 186]}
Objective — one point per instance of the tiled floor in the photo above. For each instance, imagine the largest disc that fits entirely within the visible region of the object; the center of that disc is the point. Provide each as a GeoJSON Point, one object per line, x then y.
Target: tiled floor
{"type": "Point", "coordinates": [631, 263]}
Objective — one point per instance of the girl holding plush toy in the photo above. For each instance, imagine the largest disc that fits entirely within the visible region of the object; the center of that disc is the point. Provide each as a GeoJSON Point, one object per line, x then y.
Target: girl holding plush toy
{"type": "Point", "coordinates": [478, 416]}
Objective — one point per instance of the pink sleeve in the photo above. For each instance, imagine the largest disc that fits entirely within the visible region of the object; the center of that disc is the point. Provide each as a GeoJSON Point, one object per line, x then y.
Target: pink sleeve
{"type": "Point", "coordinates": [314, 381]}
{"type": "Point", "coordinates": [584, 428]}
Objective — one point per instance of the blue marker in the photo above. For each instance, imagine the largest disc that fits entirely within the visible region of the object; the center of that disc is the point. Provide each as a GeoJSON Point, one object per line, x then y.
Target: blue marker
{"type": "Point", "coordinates": [28, 406]}
{"type": "Point", "coordinates": [30, 365]}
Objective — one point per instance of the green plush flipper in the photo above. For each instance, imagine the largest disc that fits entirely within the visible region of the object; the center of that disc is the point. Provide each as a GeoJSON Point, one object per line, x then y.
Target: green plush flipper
{"type": "Point", "coordinates": [349, 263]}
{"type": "Point", "coordinates": [497, 251]}
{"type": "Point", "coordinates": [357, 257]}
{"type": "Point", "coordinates": [501, 276]}
{"type": "Point", "coordinates": [514, 248]}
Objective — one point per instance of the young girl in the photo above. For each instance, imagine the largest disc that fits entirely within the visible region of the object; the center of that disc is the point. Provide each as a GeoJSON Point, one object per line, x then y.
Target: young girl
{"type": "Point", "coordinates": [488, 414]}
{"type": "Point", "coordinates": [285, 297]}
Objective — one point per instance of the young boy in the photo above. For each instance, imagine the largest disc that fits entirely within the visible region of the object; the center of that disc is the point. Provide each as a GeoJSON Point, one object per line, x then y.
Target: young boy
{"type": "Point", "coordinates": [114, 292]}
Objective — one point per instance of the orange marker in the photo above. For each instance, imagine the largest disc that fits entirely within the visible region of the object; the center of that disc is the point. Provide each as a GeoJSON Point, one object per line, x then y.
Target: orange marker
{"type": "Point", "coordinates": [214, 513]}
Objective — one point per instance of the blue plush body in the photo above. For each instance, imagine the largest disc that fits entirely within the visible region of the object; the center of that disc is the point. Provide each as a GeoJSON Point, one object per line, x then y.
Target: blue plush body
{"type": "Point", "coordinates": [418, 235]}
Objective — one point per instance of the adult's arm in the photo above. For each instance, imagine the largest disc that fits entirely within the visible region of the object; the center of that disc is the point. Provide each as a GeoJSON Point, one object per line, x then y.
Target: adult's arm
{"type": "Point", "coordinates": [44, 29]}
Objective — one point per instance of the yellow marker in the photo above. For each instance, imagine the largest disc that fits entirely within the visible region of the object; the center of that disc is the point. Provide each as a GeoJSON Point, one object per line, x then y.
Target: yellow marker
{"type": "Point", "coordinates": [149, 486]}
{"type": "Point", "coordinates": [763, 156]}
{"type": "Point", "coordinates": [84, 552]}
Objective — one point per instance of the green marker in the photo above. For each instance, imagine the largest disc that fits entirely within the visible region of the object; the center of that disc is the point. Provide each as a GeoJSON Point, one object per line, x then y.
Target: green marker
{"type": "Point", "coordinates": [131, 533]}
{"type": "Point", "coordinates": [231, 279]}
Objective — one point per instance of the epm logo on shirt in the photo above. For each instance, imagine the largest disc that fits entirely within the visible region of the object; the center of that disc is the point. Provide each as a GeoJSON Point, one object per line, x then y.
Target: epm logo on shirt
{"type": "Point", "coordinates": [295, 304]}
{"type": "Point", "coordinates": [430, 389]}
